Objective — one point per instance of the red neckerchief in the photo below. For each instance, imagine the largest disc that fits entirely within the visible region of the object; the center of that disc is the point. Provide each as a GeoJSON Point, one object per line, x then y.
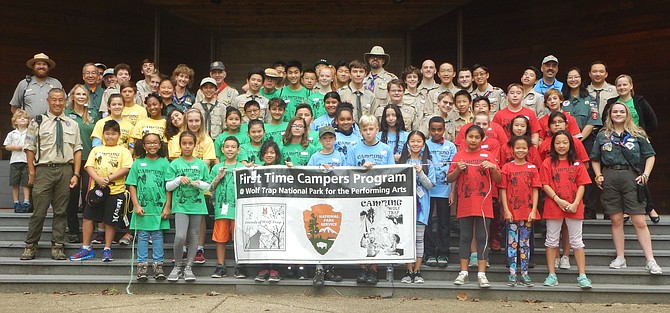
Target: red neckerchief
{"type": "Point", "coordinates": [223, 86]}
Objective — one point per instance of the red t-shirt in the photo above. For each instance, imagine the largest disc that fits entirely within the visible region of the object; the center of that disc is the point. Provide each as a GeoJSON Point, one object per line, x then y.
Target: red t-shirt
{"type": "Point", "coordinates": [519, 181]}
{"type": "Point", "coordinates": [504, 117]}
{"type": "Point", "coordinates": [475, 191]}
{"type": "Point", "coordinates": [564, 179]}
{"type": "Point", "coordinates": [572, 126]}
{"type": "Point", "coordinates": [580, 151]}
{"type": "Point", "coordinates": [488, 144]}
{"type": "Point", "coordinates": [507, 155]}
{"type": "Point", "coordinates": [494, 131]}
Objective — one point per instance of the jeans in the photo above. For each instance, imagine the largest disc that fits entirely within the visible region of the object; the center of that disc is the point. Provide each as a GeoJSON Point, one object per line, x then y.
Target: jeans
{"type": "Point", "coordinates": [143, 245]}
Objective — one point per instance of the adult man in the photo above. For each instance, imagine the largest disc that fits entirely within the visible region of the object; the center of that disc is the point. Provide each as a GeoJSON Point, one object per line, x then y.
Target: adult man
{"type": "Point", "coordinates": [31, 93]}
{"type": "Point", "coordinates": [255, 79]}
{"type": "Point", "coordinates": [549, 70]}
{"type": "Point", "coordinates": [90, 76]}
{"type": "Point", "coordinates": [465, 79]}
{"type": "Point", "coordinates": [53, 150]}
{"type": "Point", "coordinates": [108, 78]}
{"type": "Point", "coordinates": [378, 78]}
{"type": "Point", "coordinates": [225, 94]}
{"type": "Point", "coordinates": [599, 89]}
{"type": "Point", "coordinates": [428, 77]}
{"type": "Point", "coordinates": [446, 74]}
{"type": "Point", "coordinates": [269, 89]}
{"type": "Point", "coordinates": [101, 71]}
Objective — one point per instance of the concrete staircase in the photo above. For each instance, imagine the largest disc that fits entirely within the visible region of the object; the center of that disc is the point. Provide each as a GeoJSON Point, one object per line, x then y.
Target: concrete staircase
{"type": "Point", "coordinates": [633, 284]}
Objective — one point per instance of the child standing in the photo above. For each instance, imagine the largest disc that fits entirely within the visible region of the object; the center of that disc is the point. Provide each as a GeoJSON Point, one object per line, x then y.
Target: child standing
{"type": "Point", "coordinates": [250, 153]}
{"type": "Point", "coordinates": [393, 132]}
{"type": "Point", "coordinates": [154, 123]}
{"type": "Point", "coordinates": [132, 112]}
{"type": "Point", "coordinates": [151, 202]}
{"type": "Point", "coordinates": [563, 178]}
{"type": "Point", "coordinates": [235, 128]}
{"type": "Point", "coordinates": [346, 134]}
{"type": "Point", "coordinates": [115, 105]}
{"type": "Point", "coordinates": [269, 156]}
{"type": "Point", "coordinates": [186, 178]}
{"type": "Point", "coordinates": [519, 194]}
{"type": "Point", "coordinates": [224, 203]}
{"type": "Point", "coordinates": [416, 152]}
{"type": "Point", "coordinates": [276, 127]}
{"type": "Point", "coordinates": [108, 166]}
{"type": "Point", "coordinates": [18, 170]}
{"type": "Point", "coordinates": [476, 171]}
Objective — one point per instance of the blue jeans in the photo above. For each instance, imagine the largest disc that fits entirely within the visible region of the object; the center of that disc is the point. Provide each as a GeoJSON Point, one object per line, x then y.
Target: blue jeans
{"type": "Point", "coordinates": [143, 245]}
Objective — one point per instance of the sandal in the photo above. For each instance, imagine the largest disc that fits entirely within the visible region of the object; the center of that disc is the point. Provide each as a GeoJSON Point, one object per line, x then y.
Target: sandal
{"type": "Point", "coordinates": [654, 219]}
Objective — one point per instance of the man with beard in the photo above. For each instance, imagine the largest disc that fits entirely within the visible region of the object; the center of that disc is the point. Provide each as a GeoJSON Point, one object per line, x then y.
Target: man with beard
{"type": "Point", "coordinates": [378, 78]}
{"type": "Point", "coordinates": [31, 92]}
{"type": "Point", "coordinates": [549, 70]}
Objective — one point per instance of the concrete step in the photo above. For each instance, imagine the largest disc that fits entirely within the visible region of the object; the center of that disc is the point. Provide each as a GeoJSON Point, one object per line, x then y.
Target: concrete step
{"type": "Point", "coordinates": [566, 292]}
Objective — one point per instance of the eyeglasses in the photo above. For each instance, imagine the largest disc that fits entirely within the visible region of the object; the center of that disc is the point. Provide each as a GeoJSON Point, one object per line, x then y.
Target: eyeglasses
{"type": "Point", "coordinates": [297, 126]}
{"type": "Point", "coordinates": [559, 122]}
{"type": "Point", "coordinates": [90, 73]}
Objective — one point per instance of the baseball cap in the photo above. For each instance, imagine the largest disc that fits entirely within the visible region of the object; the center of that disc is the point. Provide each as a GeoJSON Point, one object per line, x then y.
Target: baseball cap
{"type": "Point", "coordinates": [326, 130]}
{"type": "Point", "coordinates": [549, 58]}
{"type": "Point", "coordinates": [217, 65]}
{"type": "Point", "coordinates": [97, 195]}
{"type": "Point", "coordinates": [207, 80]}
{"type": "Point", "coordinates": [100, 65]}
{"type": "Point", "coordinates": [321, 61]}
{"type": "Point", "coordinates": [109, 71]}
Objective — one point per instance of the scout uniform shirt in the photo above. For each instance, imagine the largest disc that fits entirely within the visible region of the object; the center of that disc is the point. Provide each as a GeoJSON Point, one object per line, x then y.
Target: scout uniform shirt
{"type": "Point", "coordinates": [368, 102]}
{"type": "Point", "coordinates": [242, 99]}
{"type": "Point", "coordinates": [214, 115]}
{"type": "Point", "coordinates": [610, 148]}
{"type": "Point", "coordinates": [148, 176]}
{"type": "Point", "coordinates": [32, 95]}
{"type": "Point", "coordinates": [430, 106]}
{"type": "Point", "coordinates": [42, 137]}
{"type": "Point", "coordinates": [106, 160]}
{"type": "Point", "coordinates": [417, 101]}
{"type": "Point", "coordinates": [143, 89]}
{"type": "Point", "coordinates": [584, 110]}
{"type": "Point", "coordinates": [601, 95]}
{"type": "Point", "coordinates": [378, 85]}
{"type": "Point", "coordinates": [494, 94]}
{"type": "Point", "coordinates": [224, 95]}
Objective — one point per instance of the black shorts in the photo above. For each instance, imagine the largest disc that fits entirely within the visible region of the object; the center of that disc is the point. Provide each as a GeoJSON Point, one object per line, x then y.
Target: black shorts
{"type": "Point", "coordinates": [18, 174]}
{"type": "Point", "coordinates": [111, 211]}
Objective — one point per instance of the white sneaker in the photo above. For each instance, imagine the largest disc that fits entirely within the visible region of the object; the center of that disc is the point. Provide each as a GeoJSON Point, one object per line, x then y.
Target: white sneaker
{"type": "Point", "coordinates": [564, 263]}
{"type": "Point", "coordinates": [618, 263]}
{"type": "Point", "coordinates": [653, 267]}
{"type": "Point", "coordinates": [557, 262]}
{"type": "Point", "coordinates": [483, 281]}
{"type": "Point", "coordinates": [462, 279]}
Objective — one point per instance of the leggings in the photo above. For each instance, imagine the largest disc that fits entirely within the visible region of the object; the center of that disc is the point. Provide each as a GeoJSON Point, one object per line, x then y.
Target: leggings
{"type": "Point", "coordinates": [468, 226]}
{"type": "Point", "coordinates": [518, 239]}
{"type": "Point", "coordinates": [186, 225]}
{"type": "Point", "coordinates": [420, 230]}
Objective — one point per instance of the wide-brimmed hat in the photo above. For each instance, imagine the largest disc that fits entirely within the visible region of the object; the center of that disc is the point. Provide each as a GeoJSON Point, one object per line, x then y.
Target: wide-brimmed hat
{"type": "Point", "coordinates": [270, 72]}
{"type": "Point", "coordinates": [40, 57]}
{"type": "Point", "coordinates": [378, 50]}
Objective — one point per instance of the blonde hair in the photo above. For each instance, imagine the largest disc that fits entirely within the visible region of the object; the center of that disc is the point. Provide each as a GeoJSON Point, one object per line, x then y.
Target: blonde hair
{"type": "Point", "coordinates": [368, 120]}
{"type": "Point", "coordinates": [628, 125]}
{"type": "Point", "coordinates": [630, 81]}
{"type": "Point", "coordinates": [183, 69]}
{"type": "Point", "coordinates": [70, 103]}
{"type": "Point", "coordinates": [201, 133]}
{"type": "Point", "coordinates": [18, 114]}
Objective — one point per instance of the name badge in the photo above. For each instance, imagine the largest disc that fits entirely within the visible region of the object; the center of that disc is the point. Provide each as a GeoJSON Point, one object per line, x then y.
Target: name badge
{"type": "Point", "coordinates": [484, 155]}
{"type": "Point", "coordinates": [194, 167]}
{"type": "Point", "coordinates": [484, 146]}
{"type": "Point", "coordinates": [336, 160]}
{"type": "Point", "coordinates": [304, 153]}
{"type": "Point", "coordinates": [224, 209]}
{"type": "Point", "coordinates": [383, 152]}
{"type": "Point", "coordinates": [143, 164]}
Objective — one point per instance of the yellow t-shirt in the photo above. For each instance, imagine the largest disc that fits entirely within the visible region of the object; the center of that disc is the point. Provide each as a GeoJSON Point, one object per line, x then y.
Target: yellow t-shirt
{"type": "Point", "coordinates": [134, 114]}
{"type": "Point", "coordinates": [124, 138]}
{"type": "Point", "coordinates": [149, 125]}
{"type": "Point", "coordinates": [106, 160]}
{"type": "Point", "coordinates": [204, 149]}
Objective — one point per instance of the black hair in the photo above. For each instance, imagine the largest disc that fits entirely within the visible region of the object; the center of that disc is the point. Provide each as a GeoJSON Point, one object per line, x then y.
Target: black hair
{"type": "Point", "coordinates": [307, 70]}
{"type": "Point", "coordinates": [598, 62]}
{"type": "Point", "coordinates": [583, 93]}
{"type": "Point", "coordinates": [514, 139]}
{"type": "Point", "coordinates": [341, 63]}
{"type": "Point", "coordinates": [463, 93]}
{"type": "Point", "coordinates": [537, 72]}
{"type": "Point", "coordinates": [511, 125]}
{"type": "Point", "coordinates": [256, 71]}
{"type": "Point", "coordinates": [111, 125]}
{"type": "Point", "coordinates": [254, 123]}
{"type": "Point", "coordinates": [384, 127]}
{"type": "Point", "coordinates": [482, 66]}
{"type": "Point", "coordinates": [555, 114]}
{"type": "Point", "coordinates": [304, 106]}
{"type": "Point", "coordinates": [435, 119]}
{"type": "Point", "coordinates": [279, 63]}
{"type": "Point", "coordinates": [153, 95]}
{"type": "Point", "coordinates": [270, 143]}
{"type": "Point", "coordinates": [140, 152]}
{"type": "Point", "coordinates": [249, 103]}
{"type": "Point", "coordinates": [294, 63]}
{"type": "Point", "coordinates": [231, 138]}
{"type": "Point", "coordinates": [343, 106]}
{"type": "Point", "coordinates": [187, 133]}
{"type": "Point", "coordinates": [232, 110]}
{"type": "Point", "coordinates": [333, 95]}
{"type": "Point", "coordinates": [478, 129]}
{"type": "Point", "coordinates": [170, 129]}
{"type": "Point", "coordinates": [480, 98]}
{"type": "Point", "coordinates": [425, 153]}
{"type": "Point", "coordinates": [572, 154]}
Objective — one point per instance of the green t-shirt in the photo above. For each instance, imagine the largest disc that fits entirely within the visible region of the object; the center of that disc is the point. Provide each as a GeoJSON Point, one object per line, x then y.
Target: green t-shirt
{"type": "Point", "coordinates": [313, 137]}
{"type": "Point", "coordinates": [316, 102]}
{"type": "Point", "coordinates": [85, 131]}
{"type": "Point", "coordinates": [250, 153]}
{"type": "Point", "coordinates": [295, 153]}
{"type": "Point", "coordinates": [187, 199]}
{"type": "Point", "coordinates": [274, 94]}
{"type": "Point", "coordinates": [148, 176]}
{"type": "Point", "coordinates": [275, 131]}
{"type": "Point", "coordinates": [241, 136]}
{"type": "Point", "coordinates": [224, 202]}
{"type": "Point", "coordinates": [631, 106]}
{"type": "Point", "coordinates": [293, 99]}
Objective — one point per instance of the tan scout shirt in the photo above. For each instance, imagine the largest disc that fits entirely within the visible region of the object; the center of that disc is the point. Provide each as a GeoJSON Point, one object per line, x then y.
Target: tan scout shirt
{"type": "Point", "coordinates": [225, 97]}
{"type": "Point", "coordinates": [532, 100]}
{"type": "Point", "coordinates": [43, 138]}
{"type": "Point", "coordinates": [381, 85]}
{"type": "Point", "coordinates": [368, 100]}
{"type": "Point", "coordinates": [431, 103]}
{"type": "Point", "coordinates": [495, 95]}
{"type": "Point", "coordinates": [242, 99]}
{"type": "Point", "coordinates": [217, 116]}
{"type": "Point", "coordinates": [606, 92]}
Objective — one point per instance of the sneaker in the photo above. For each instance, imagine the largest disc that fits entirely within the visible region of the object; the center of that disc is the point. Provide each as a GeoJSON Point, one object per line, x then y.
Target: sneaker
{"type": "Point", "coordinates": [57, 252]}
{"type": "Point", "coordinates": [240, 272]}
{"type": "Point", "coordinates": [29, 252]}
{"type": "Point", "coordinates": [262, 276]}
{"type": "Point", "coordinates": [188, 274]}
{"type": "Point", "coordinates": [473, 260]}
{"type": "Point", "coordinates": [618, 263]}
{"type": "Point", "coordinates": [289, 272]}
{"type": "Point", "coordinates": [526, 281]}
{"type": "Point", "coordinates": [564, 263]}
{"type": "Point", "coordinates": [83, 254]}
{"type": "Point", "coordinates": [17, 208]}
{"type": "Point", "coordinates": [126, 239]}
{"type": "Point", "coordinates": [488, 265]}
{"type": "Point", "coordinates": [142, 271]}
{"type": "Point", "coordinates": [73, 238]}
{"type": "Point", "coordinates": [372, 278]}
{"type": "Point", "coordinates": [199, 257]}
{"type": "Point", "coordinates": [174, 274]}
{"type": "Point", "coordinates": [442, 261]}
{"type": "Point", "coordinates": [302, 274]}
{"type": "Point", "coordinates": [431, 261]}
{"type": "Point", "coordinates": [219, 272]}
{"type": "Point", "coordinates": [158, 271]}
{"type": "Point", "coordinates": [418, 279]}
{"type": "Point", "coordinates": [653, 267]}
{"type": "Point", "coordinates": [362, 276]}
{"type": "Point", "coordinates": [319, 277]}
{"type": "Point", "coordinates": [583, 282]}
{"type": "Point", "coordinates": [25, 208]}
{"type": "Point", "coordinates": [495, 245]}
{"type": "Point", "coordinates": [512, 280]}
{"type": "Point", "coordinates": [408, 278]}
{"type": "Point", "coordinates": [483, 281]}
{"type": "Point", "coordinates": [557, 263]}
{"type": "Point", "coordinates": [330, 275]}
{"type": "Point", "coordinates": [274, 276]}
{"type": "Point", "coordinates": [107, 255]}
{"type": "Point", "coordinates": [462, 279]}
{"type": "Point", "coordinates": [551, 280]}
{"type": "Point", "coordinates": [99, 238]}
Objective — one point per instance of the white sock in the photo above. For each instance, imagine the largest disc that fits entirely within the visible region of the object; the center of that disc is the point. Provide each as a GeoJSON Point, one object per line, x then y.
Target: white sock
{"type": "Point", "coordinates": [86, 247]}
{"type": "Point", "coordinates": [463, 273]}
{"type": "Point", "coordinates": [481, 274]}
{"type": "Point", "coordinates": [201, 247]}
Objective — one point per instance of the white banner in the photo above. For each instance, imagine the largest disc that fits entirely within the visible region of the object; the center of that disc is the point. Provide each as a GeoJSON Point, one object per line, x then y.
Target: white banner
{"type": "Point", "coordinates": [306, 215]}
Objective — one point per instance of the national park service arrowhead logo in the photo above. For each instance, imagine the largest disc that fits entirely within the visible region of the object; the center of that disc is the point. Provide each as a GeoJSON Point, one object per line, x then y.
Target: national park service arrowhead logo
{"type": "Point", "coordinates": [322, 225]}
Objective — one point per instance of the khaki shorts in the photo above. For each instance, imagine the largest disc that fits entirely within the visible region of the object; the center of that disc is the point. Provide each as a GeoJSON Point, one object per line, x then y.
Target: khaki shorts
{"type": "Point", "coordinates": [620, 192]}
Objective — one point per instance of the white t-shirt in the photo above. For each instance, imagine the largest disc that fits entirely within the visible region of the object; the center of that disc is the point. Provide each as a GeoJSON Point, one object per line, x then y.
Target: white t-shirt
{"type": "Point", "coordinates": [18, 138]}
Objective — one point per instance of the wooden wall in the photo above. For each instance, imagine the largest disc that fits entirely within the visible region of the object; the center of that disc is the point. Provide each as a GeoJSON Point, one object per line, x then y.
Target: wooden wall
{"type": "Point", "coordinates": [630, 36]}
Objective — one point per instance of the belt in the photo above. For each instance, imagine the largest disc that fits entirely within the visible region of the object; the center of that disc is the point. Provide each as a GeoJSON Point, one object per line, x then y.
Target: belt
{"type": "Point", "coordinates": [55, 164]}
{"type": "Point", "coordinates": [619, 167]}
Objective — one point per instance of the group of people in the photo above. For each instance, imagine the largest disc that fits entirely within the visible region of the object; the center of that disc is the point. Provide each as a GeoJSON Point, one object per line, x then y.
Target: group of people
{"type": "Point", "coordinates": [503, 160]}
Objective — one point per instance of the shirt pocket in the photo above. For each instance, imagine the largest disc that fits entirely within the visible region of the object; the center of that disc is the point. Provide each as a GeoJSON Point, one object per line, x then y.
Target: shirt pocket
{"type": "Point", "coordinates": [382, 91]}
{"type": "Point", "coordinates": [69, 136]}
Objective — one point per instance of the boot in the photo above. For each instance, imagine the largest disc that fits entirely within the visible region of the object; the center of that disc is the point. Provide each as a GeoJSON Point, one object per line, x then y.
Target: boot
{"type": "Point", "coordinates": [142, 271]}
{"type": "Point", "coordinates": [57, 252]}
{"type": "Point", "coordinates": [29, 252]}
{"type": "Point", "coordinates": [158, 271]}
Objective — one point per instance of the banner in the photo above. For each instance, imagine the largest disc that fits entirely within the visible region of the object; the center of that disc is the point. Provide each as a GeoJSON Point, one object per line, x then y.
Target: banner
{"type": "Point", "coordinates": [308, 215]}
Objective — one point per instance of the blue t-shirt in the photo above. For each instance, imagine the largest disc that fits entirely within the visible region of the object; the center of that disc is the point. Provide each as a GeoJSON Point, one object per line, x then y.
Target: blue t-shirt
{"type": "Point", "coordinates": [333, 159]}
{"type": "Point", "coordinates": [542, 87]}
{"type": "Point", "coordinates": [442, 154]}
{"type": "Point", "coordinates": [392, 138]}
{"type": "Point", "coordinates": [344, 143]}
{"type": "Point", "coordinates": [422, 194]}
{"type": "Point", "coordinates": [377, 154]}
{"type": "Point", "coordinates": [322, 121]}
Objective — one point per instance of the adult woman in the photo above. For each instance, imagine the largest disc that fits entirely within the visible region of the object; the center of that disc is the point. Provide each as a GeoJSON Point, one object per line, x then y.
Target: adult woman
{"type": "Point", "coordinates": [182, 77]}
{"type": "Point", "coordinates": [619, 148]}
{"type": "Point", "coordinates": [642, 115]}
{"type": "Point", "coordinates": [79, 110]}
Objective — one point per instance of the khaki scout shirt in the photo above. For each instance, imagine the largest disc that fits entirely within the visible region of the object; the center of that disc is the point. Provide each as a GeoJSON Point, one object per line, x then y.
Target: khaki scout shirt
{"type": "Point", "coordinates": [532, 100]}
{"type": "Point", "coordinates": [225, 96]}
{"type": "Point", "coordinates": [607, 92]}
{"type": "Point", "coordinates": [217, 116]}
{"type": "Point", "coordinates": [494, 94]}
{"type": "Point", "coordinates": [368, 100]}
{"type": "Point", "coordinates": [381, 85]}
{"type": "Point", "coordinates": [242, 99]}
{"type": "Point", "coordinates": [430, 107]}
{"type": "Point", "coordinates": [45, 140]}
